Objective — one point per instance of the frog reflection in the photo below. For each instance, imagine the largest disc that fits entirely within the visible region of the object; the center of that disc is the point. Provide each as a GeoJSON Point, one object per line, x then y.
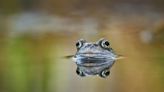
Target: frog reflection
{"type": "Point", "coordinates": [94, 58]}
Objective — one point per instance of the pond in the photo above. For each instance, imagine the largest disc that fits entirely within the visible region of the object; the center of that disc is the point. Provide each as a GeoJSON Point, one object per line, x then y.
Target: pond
{"type": "Point", "coordinates": [31, 55]}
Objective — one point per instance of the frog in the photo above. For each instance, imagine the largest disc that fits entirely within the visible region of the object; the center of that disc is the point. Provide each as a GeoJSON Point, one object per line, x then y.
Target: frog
{"type": "Point", "coordinates": [94, 58]}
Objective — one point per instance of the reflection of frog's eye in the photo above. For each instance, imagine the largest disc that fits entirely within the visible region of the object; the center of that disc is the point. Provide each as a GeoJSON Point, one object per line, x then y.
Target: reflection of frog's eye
{"type": "Point", "coordinates": [79, 44]}
{"type": "Point", "coordinates": [105, 44]}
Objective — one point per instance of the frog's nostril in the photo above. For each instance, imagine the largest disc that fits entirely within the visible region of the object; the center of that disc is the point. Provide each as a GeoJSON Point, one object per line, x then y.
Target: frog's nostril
{"type": "Point", "coordinates": [92, 46]}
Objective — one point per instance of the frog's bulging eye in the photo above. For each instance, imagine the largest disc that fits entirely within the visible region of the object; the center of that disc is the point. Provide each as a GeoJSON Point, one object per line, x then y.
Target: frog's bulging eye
{"type": "Point", "coordinates": [79, 44]}
{"type": "Point", "coordinates": [105, 44]}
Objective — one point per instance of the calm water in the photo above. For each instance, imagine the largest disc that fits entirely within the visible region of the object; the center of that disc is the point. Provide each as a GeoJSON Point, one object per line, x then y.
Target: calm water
{"type": "Point", "coordinates": [32, 47]}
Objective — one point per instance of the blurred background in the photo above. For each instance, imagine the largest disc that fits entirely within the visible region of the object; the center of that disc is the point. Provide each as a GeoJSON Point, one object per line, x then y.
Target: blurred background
{"type": "Point", "coordinates": [36, 34]}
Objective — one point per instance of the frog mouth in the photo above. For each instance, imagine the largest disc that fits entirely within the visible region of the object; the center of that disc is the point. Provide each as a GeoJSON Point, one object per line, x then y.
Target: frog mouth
{"type": "Point", "coordinates": [90, 54]}
{"type": "Point", "coordinates": [92, 64]}
{"type": "Point", "coordinates": [92, 61]}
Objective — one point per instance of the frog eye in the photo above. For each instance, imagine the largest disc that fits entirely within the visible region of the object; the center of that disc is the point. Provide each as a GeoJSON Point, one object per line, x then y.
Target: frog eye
{"type": "Point", "coordinates": [105, 43]}
{"type": "Point", "coordinates": [80, 43]}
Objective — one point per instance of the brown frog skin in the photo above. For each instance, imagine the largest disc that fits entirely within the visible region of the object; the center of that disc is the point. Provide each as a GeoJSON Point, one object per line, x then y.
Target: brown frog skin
{"type": "Point", "coordinates": [94, 58]}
